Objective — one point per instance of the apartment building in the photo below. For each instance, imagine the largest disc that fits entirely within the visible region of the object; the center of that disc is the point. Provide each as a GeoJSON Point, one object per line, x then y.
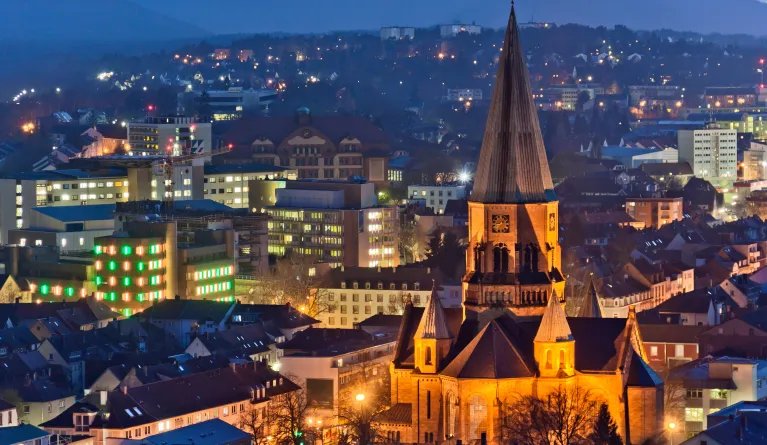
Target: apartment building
{"type": "Point", "coordinates": [228, 183]}
{"type": "Point", "coordinates": [337, 222]}
{"type": "Point", "coordinates": [454, 29]}
{"type": "Point", "coordinates": [154, 135]}
{"type": "Point", "coordinates": [397, 33]}
{"type": "Point", "coordinates": [70, 228]}
{"type": "Point", "coordinates": [435, 197]}
{"type": "Point", "coordinates": [712, 152]}
{"type": "Point", "coordinates": [353, 294]}
{"type": "Point", "coordinates": [229, 104]}
{"type": "Point", "coordinates": [655, 212]}
{"type": "Point", "coordinates": [168, 405]}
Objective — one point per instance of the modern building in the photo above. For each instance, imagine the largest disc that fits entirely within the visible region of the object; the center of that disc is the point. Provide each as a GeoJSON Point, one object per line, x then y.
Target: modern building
{"type": "Point", "coordinates": [454, 368]}
{"type": "Point", "coordinates": [70, 228]}
{"type": "Point", "coordinates": [452, 30]}
{"type": "Point", "coordinates": [712, 384]}
{"type": "Point", "coordinates": [318, 147]}
{"type": "Point", "coordinates": [655, 212]}
{"type": "Point", "coordinates": [230, 104]}
{"type": "Point", "coordinates": [712, 152]}
{"type": "Point", "coordinates": [435, 197]}
{"type": "Point", "coordinates": [566, 97]}
{"type": "Point", "coordinates": [334, 365]}
{"type": "Point", "coordinates": [397, 33]}
{"type": "Point", "coordinates": [754, 165]}
{"type": "Point", "coordinates": [336, 222]}
{"type": "Point", "coordinates": [228, 183]}
{"type": "Point", "coordinates": [158, 258]}
{"type": "Point", "coordinates": [635, 157]}
{"type": "Point", "coordinates": [175, 134]}
{"type": "Point", "coordinates": [353, 294]}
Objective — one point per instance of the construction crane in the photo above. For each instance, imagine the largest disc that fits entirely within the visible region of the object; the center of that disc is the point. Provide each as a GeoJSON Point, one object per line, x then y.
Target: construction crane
{"type": "Point", "coordinates": [175, 154]}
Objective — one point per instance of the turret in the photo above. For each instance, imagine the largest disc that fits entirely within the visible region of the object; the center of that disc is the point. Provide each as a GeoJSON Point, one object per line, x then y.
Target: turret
{"type": "Point", "coordinates": [554, 345]}
{"type": "Point", "coordinates": [433, 337]}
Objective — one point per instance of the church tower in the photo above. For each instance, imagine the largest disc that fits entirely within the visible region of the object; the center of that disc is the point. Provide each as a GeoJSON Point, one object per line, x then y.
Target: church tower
{"type": "Point", "coordinates": [513, 258]}
{"type": "Point", "coordinates": [554, 345]}
{"type": "Point", "coordinates": [432, 338]}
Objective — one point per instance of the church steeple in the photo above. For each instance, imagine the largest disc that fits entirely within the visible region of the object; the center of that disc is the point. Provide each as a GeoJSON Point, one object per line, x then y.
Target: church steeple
{"type": "Point", "coordinates": [554, 345]}
{"type": "Point", "coordinates": [433, 337]}
{"type": "Point", "coordinates": [512, 165]}
{"type": "Point", "coordinates": [591, 308]}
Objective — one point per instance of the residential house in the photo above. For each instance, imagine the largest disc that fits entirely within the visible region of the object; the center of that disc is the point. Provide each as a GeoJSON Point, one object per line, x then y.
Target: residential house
{"type": "Point", "coordinates": [696, 308]}
{"type": "Point", "coordinates": [209, 432]}
{"type": "Point", "coordinates": [248, 342]}
{"type": "Point", "coordinates": [9, 415]}
{"type": "Point", "coordinates": [668, 346]}
{"type": "Point", "coordinates": [744, 336]}
{"type": "Point", "coordinates": [24, 435]}
{"type": "Point", "coordinates": [143, 411]}
{"type": "Point", "coordinates": [747, 427]}
{"type": "Point", "coordinates": [279, 320]}
{"type": "Point", "coordinates": [183, 320]}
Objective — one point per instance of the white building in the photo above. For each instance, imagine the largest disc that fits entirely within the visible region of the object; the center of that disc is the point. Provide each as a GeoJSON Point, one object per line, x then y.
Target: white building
{"type": "Point", "coordinates": [397, 32]}
{"type": "Point", "coordinates": [446, 31]}
{"type": "Point", "coordinates": [230, 104]}
{"type": "Point", "coordinates": [463, 94]}
{"type": "Point", "coordinates": [712, 152]}
{"type": "Point", "coordinates": [179, 134]}
{"type": "Point", "coordinates": [435, 197]}
{"type": "Point", "coordinates": [634, 157]}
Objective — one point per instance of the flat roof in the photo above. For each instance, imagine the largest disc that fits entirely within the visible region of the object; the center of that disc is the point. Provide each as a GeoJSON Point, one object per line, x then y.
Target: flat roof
{"type": "Point", "coordinates": [98, 212]}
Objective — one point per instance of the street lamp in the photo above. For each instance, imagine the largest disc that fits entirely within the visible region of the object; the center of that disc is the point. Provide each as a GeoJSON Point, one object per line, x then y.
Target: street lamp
{"type": "Point", "coordinates": [671, 427]}
{"type": "Point", "coordinates": [360, 397]}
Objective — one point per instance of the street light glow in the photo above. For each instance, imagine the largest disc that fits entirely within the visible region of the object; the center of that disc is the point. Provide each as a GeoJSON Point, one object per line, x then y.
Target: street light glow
{"type": "Point", "coordinates": [360, 397]}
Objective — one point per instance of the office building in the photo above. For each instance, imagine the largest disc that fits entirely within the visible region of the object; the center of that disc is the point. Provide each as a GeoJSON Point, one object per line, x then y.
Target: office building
{"type": "Point", "coordinates": [229, 104]}
{"type": "Point", "coordinates": [175, 134]}
{"type": "Point", "coordinates": [566, 97]}
{"type": "Point", "coordinates": [337, 222]}
{"type": "Point", "coordinates": [712, 152]}
{"type": "Point", "coordinates": [70, 228]}
{"type": "Point", "coordinates": [435, 197]}
{"type": "Point", "coordinates": [452, 30]}
{"type": "Point", "coordinates": [228, 183]}
{"type": "Point", "coordinates": [397, 33]}
{"type": "Point", "coordinates": [655, 212]}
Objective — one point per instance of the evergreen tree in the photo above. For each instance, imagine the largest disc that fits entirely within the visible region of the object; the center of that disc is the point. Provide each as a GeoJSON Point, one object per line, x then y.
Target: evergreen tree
{"type": "Point", "coordinates": [605, 430]}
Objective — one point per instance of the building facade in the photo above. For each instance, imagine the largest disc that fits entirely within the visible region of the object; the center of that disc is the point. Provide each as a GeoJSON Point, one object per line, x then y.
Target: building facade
{"type": "Point", "coordinates": [176, 134]}
{"type": "Point", "coordinates": [655, 212]}
{"type": "Point", "coordinates": [712, 152]}
{"type": "Point", "coordinates": [435, 197]}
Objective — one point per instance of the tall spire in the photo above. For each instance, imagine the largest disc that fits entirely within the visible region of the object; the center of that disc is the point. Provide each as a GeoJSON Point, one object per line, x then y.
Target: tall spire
{"type": "Point", "coordinates": [590, 307]}
{"type": "Point", "coordinates": [433, 321]}
{"type": "Point", "coordinates": [554, 326]}
{"type": "Point", "coordinates": [512, 165]}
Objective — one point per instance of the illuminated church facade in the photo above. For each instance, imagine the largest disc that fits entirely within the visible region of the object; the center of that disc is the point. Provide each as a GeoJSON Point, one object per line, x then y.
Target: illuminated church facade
{"type": "Point", "coordinates": [455, 371]}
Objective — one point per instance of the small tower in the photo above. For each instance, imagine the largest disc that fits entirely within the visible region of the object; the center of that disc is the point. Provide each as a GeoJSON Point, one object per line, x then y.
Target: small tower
{"type": "Point", "coordinates": [554, 344]}
{"type": "Point", "coordinates": [590, 307]}
{"type": "Point", "coordinates": [433, 336]}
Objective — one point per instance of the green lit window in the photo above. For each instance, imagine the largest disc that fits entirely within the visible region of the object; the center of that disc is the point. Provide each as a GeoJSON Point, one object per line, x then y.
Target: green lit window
{"type": "Point", "coordinates": [126, 250]}
{"type": "Point", "coordinates": [98, 250]}
{"type": "Point", "coordinates": [45, 289]}
{"type": "Point", "coordinates": [140, 266]}
{"type": "Point", "coordinates": [99, 281]}
{"type": "Point", "coordinates": [140, 297]}
{"type": "Point", "coordinates": [69, 292]}
{"type": "Point", "coordinates": [126, 281]}
{"type": "Point", "coordinates": [112, 265]}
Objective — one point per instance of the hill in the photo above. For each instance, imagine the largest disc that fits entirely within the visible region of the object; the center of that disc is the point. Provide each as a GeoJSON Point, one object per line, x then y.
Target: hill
{"type": "Point", "coordinates": [89, 20]}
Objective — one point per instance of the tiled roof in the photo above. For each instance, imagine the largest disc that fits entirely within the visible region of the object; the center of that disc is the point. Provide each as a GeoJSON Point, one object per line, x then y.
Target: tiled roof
{"type": "Point", "coordinates": [21, 434]}
{"type": "Point", "coordinates": [433, 322]}
{"type": "Point", "coordinates": [329, 342]}
{"type": "Point", "coordinates": [670, 333]}
{"type": "Point", "coordinates": [513, 158]}
{"type": "Point", "coordinates": [554, 327]}
{"type": "Point", "coordinates": [401, 413]}
{"type": "Point", "coordinates": [196, 310]}
{"type": "Point", "coordinates": [591, 306]}
{"type": "Point", "coordinates": [695, 302]}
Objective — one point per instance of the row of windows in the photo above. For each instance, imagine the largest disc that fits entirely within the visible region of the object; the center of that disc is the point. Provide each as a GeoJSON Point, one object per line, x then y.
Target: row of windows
{"type": "Point", "coordinates": [369, 298]}
{"type": "Point", "coordinates": [85, 185]}
{"type": "Point", "coordinates": [380, 285]}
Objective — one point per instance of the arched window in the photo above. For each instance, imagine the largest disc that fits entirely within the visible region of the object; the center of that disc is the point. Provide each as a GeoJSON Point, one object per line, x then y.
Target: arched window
{"type": "Point", "coordinates": [427, 356]}
{"type": "Point", "coordinates": [562, 360]}
{"type": "Point", "coordinates": [549, 359]}
{"type": "Point", "coordinates": [451, 411]}
{"type": "Point", "coordinates": [477, 418]}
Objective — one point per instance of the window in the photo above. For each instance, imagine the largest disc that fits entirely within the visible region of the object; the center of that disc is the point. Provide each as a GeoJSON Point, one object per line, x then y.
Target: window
{"type": "Point", "coordinates": [477, 418]}
{"type": "Point", "coordinates": [653, 351]}
{"type": "Point", "coordinates": [693, 414]}
{"type": "Point", "coordinates": [678, 350]}
{"type": "Point", "coordinates": [694, 393]}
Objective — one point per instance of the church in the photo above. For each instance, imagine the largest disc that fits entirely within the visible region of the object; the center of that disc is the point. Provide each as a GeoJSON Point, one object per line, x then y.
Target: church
{"type": "Point", "coordinates": [456, 371]}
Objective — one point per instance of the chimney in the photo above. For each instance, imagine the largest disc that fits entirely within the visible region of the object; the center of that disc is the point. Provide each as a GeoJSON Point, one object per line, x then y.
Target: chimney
{"type": "Point", "coordinates": [125, 389]}
{"type": "Point", "coordinates": [103, 397]}
{"type": "Point", "coordinates": [428, 271]}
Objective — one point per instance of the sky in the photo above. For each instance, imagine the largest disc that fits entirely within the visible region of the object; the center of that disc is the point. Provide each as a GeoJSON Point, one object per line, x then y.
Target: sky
{"type": "Point", "coordinates": [249, 16]}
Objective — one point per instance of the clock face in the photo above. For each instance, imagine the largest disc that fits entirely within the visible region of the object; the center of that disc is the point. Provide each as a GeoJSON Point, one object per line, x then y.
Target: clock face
{"type": "Point", "coordinates": [501, 224]}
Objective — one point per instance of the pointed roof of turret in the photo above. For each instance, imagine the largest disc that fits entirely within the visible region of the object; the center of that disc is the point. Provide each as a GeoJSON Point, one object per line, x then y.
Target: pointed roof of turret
{"type": "Point", "coordinates": [591, 307]}
{"type": "Point", "coordinates": [554, 326]}
{"type": "Point", "coordinates": [512, 164]}
{"type": "Point", "coordinates": [433, 321]}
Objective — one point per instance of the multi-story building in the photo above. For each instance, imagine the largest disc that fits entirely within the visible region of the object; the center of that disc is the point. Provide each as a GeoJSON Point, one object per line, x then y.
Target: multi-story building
{"type": "Point", "coordinates": [754, 165]}
{"type": "Point", "coordinates": [566, 97]}
{"type": "Point", "coordinates": [435, 197]}
{"type": "Point", "coordinates": [655, 212]}
{"type": "Point", "coordinates": [454, 29]}
{"type": "Point", "coordinates": [712, 152]}
{"type": "Point", "coordinates": [756, 203]}
{"type": "Point", "coordinates": [337, 222]}
{"type": "Point", "coordinates": [228, 183]}
{"type": "Point", "coordinates": [229, 104]}
{"type": "Point", "coordinates": [138, 412]}
{"type": "Point", "coordinates": [730, 97]}
{"type": "Point", "coordinates": [154, 259]}
{"type": "Point", "coordinates": [318, 147]}
{"type": "Point", "coordinates": [176, 134]}
{"type": "Point", "coordinates": [652, 94]}
{"type": "Point", "coordinates": [353, 294]}
{"type": "Point", "coordinates": [397, 32]}
{"type": "Point", "coordinates": [711, 384]}
{"type": "Point", "coordinates": [463, 94]}
{"type": "Point", "coordinates": [334, 365]}
{"type": "Point", "coordinates": [70, 228]}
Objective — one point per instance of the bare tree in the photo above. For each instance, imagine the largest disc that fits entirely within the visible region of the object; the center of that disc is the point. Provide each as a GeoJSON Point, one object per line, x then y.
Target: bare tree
{"type": "Point", "coordinates": [397, 304]}
{"type": "Point", "coordinates": [674, 396]}
{"type": "Point", "coordinates": [256, 422]}
{"type": "Point", "coordinates": [288, 414]}
{"type": "Point", "coordinates": [565, 416]}
{"type": "Point", "coordinates": [295, 280]}
{"type": "Point", "coordinates": [411, 243]}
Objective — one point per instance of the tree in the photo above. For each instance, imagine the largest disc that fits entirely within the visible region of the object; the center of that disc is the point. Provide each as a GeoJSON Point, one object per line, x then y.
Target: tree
{"type": "Point", "coordinates": [410, 243]}
{"type": "Point", "coordinates": [288, 415]}
{"type": "Point", "coordinates": [565, 416]}
{"type": "Point", "coordinates": [444, 251]}
{"type": "Point", "coordinates": [360, 406]}
{"type": "Point", "coordinates": [256, 422]}
{"type": "Point", "coordinates": [605, 430]}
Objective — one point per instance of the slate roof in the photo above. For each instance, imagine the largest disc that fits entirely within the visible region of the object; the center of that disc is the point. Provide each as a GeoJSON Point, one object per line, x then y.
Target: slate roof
{"type": "Point", "coordinates": [732, 431]}
{"type": "Point", "coordinates": [695, 302]}
{"type": "Point", "coordinates": [641, 375]}
{"type": "Point", "coordinates": [381, 320]}
{"type": "Point", "coordinates": [239, 341]}
{"type": "Point", "coordinates": [323, 342]}
{"type": "Point", "coordinates": [197, 310]}
{"type": "Point", "coordinates": [21, 434]}
{"type": "Point", "coordinates": [17, 337]}
{"type": "Point", "coordinates": [433, 322]}
{"type": "Point", "coordinates": [209, 432]}
{"type": "Point", "coordinates": [98, 212]}
{"type": "Point", "coordinates": [513, 158]}
{"type": "Point", "coordinates": [554, 327]}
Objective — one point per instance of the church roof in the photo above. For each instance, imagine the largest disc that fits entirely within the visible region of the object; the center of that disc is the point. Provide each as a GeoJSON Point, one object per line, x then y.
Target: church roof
{"type": "Point", "coordinates": [590, 308]}
{"type": "Point", "coordinates": [495, 353]}
{"type": "Point", "coordinates": [554, 326]}
{"type": "Point", "coordinates": [433, 321]}
{"type": "Point", "coordinates": [513, 161]}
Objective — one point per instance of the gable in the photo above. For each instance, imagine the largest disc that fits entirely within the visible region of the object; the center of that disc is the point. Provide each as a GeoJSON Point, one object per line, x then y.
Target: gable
{"type": "Point", "coordinates": [735, 326]}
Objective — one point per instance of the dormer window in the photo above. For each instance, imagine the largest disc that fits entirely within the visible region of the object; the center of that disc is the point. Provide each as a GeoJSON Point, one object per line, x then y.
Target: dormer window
{"type": "Point", "coordinates": [417, 286]}
{"type": "Point", "coordinates": [356, 285]}
{"type": "Point", "coordinates": [367, 285]}
{"type": "Point", "coordinates": [380, 286]}
{"type": "Point", "coordinates": [343, 285]}
{"type": "Point", "coordinates": [404, 286]}
{"type": "Point", "coordinates": [392, 286]}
